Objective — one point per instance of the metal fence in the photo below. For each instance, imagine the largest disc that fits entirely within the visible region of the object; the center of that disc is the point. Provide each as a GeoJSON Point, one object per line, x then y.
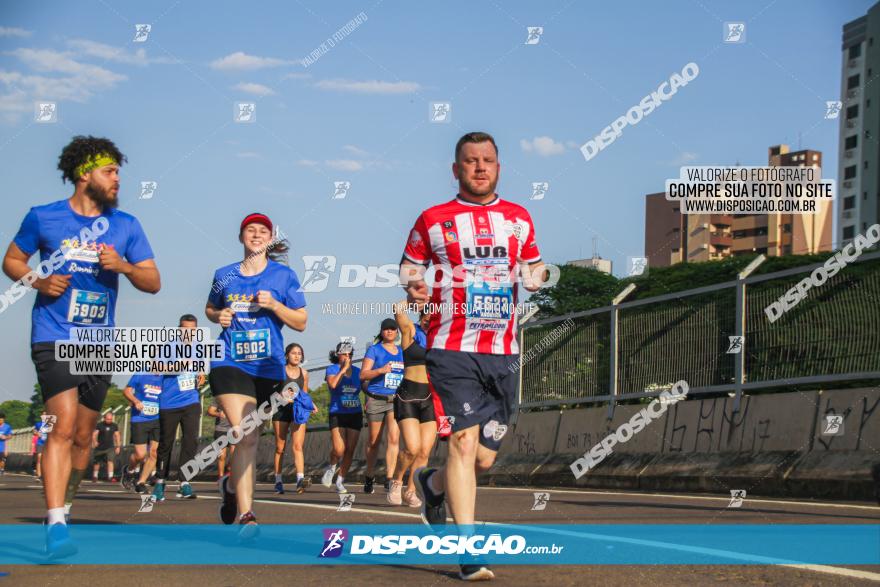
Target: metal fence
{"type": "Point", "coordinates": [637, 349]}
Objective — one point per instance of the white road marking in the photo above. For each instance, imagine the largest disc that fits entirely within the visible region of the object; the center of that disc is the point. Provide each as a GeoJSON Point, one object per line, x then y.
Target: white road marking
{"type": "Point", "coordinates": [696, 497]}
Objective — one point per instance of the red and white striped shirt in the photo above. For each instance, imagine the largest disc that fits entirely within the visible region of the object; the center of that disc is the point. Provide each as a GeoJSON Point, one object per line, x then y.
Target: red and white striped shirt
{"type": "Point", "coordinates": [475, 250]}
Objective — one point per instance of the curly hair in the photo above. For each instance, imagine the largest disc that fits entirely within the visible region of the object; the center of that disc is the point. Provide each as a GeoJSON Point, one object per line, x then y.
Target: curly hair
{"type": "Point", "coordinates": [80, 149]}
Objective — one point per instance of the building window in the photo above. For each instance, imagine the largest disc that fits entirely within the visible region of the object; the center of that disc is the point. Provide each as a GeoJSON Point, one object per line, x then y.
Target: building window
{"type": "Point", "coordinates": [849, 172]}
{"type": "Point", "coordinates": [761, 250]}
{"type": "Point", "coordinates": [815, 156]}
{"type": "Point", "coordinates": [851, 142]}
{"type": "Point", "coordinates": [852, 82]}
{"type": "Point", "coordinates": [855, 51]}
{"type": "Point", "coordinates": [786, 249]}
{"type": "Point", "coordinates": [849, 203]}
{"type": "Point", "coordinates": [849, 232]}
{"type": "Point", "coordinates": [739, 234]}
{"type": "Point", "coordinates": [786, 228]}
{"type": "Point", "coordinates": [761, 231]}
{"type": "Point", "coordinates": [852, 112]}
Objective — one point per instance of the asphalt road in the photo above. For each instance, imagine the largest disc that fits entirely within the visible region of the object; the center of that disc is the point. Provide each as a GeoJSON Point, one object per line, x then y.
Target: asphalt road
{"type": "Point", "coordinates": [102, 503]}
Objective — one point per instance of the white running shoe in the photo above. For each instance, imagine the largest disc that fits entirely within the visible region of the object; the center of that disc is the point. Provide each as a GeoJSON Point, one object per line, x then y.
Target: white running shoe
{"type": "Point", "coordinates": [327, 478]}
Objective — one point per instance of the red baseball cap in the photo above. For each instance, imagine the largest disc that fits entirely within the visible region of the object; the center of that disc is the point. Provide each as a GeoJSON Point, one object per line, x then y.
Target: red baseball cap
{"type": "Point", "coordinates": [257, 218]}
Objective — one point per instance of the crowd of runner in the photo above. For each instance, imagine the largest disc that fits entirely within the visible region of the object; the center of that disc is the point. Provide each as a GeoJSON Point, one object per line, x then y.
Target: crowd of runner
{"type": "Point", "coordinates": [443, 374]}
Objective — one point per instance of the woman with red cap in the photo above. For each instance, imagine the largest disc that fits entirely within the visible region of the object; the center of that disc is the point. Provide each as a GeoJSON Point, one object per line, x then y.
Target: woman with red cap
{"type": "Point", "coordinates": [252, 300]}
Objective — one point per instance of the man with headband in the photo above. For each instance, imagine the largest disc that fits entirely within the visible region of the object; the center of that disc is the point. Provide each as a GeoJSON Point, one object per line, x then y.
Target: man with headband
{"type": "Point", "coordinates": [85, 244]}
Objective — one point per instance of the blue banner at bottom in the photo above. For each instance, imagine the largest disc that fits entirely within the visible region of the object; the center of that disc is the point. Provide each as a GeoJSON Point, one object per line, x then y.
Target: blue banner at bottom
{"type": "Point", "coordinates": [676, 544]}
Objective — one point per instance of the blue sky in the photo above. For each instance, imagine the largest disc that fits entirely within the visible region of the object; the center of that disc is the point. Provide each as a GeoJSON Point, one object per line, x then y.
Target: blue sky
{"type": "Point", "coordinates": [360, 114]}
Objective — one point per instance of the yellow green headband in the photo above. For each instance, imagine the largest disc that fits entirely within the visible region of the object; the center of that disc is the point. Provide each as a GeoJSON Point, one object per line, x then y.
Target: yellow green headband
{"type": "Point", "coordinates": [95, 161]}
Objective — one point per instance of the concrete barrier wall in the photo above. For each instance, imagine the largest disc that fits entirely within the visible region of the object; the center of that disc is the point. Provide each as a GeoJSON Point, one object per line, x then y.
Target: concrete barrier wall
{"type": "Point", "coordinates": [776, 444]}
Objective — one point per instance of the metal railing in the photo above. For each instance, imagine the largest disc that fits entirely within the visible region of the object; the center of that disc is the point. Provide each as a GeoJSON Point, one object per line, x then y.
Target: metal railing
{"type": "Point", "coordinates": [636, 349]}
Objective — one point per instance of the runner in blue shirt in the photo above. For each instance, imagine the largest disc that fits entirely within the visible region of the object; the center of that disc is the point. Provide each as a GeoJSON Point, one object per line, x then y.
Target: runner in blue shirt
{"type": "Point", "coordinates": [383, 369]}
{"type": "Point", "coordinates": [252, 300]}
{"type": "Point", "coordinates": [39, 446]}
{"type": "Point", "coordinates": [346, 413]}
{"type": "Point", "coordinates": [5, 434]}
{"type": "Point", "coordinates": [85, 244]}
{"type": "Point", "coordinates": [179, 405]}
{"type": "Point", "coordinates": [143, 392]}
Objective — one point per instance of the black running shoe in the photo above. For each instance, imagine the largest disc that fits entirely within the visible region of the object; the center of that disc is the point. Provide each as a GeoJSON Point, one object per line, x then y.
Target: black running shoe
{"type": "Point", "coordinates": [228, 506]}
{"type": "Point", "coordinates": [475, 573]}
{"type": "Point", "coordinates": [140, 488]}
{"type": "Point", "coordinates": [368, 485]}
{"type": "Point", "coordinates": [433, 505]}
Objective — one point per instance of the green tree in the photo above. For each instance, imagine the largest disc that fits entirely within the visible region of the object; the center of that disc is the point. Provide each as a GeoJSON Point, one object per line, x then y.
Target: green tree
{"type": "Point", "coordinates": [578, 289]}
{"type": "Point", "coordinates": [36, 405]}
{"type": "Point", "coordinates": [16, 412]}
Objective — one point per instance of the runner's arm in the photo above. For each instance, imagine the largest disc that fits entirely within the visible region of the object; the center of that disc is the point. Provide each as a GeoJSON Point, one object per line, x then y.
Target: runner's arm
{"type": "Point", "coordinates": [534, 276]}
{"type": "Point", "coordinates": [145, 276]}
{"type": "Point", "coordinates": [412, 278]}
{"type": "Point", "coordinates": [404, 323]}
{"type": "Point", "coordinates": [213, 411]}
{"type": "Point", "coordinates": [128, 392]}
{"type": "Point", "coordinates": [15, 266]}
{"type": "Point", "coordinates": [94, 439]}
{"type": "Point", "coordinates": [292, 318]}
{"type": "Point", "coordinates": [305, 379]}
{"type": "Point", "coordinates": [368, 373]}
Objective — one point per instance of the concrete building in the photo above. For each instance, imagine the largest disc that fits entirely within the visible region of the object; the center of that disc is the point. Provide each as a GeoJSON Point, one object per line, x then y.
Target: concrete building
{"type": "Point", "coordinates": [859, 155]}
{"type": "Point", "coordinates": [598, 263]}
{"type": "Point", "coordinates": [672, 237]}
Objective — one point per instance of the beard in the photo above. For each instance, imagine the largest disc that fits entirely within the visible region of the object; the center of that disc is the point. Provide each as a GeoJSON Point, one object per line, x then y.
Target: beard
{"type": "Point", "coordinates": [471, 188]}
{"type": "Point", "coordinates": [101, 196]}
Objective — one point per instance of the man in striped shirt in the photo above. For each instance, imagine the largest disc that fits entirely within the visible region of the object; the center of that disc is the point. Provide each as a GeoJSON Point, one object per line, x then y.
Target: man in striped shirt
{"type": "Point", "coordinates": [479, 246]}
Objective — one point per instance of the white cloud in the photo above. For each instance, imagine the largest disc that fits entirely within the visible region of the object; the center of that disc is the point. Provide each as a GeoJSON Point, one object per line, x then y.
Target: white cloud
{"type": "Point", "coordinates": [115, 54]}
{"type": "Point", "coordinates": [255, 89]}
{"type": "Point", "coordinates": [543, 146]}
{"type": "Point", "coordinates": [307, 163]}
{"type": "Point", "coordinates": [356, 151]}
{"type": "Point", "coordinates": [247, 155]}
{"type": "Point", "coordinates": [240, 61]}
{"type": "Point", "coordinates": [684, 158]}
{"type": "Point", "coordinates": [344, 164]}
{"type": "Point", "coordinates": [23, 89]}
{"type": "Point", "coordinates": [6, 31]}
{"type": "Point", "coordinates": [295, 76]}
{"type": "Point", "coordinates": [369, 86]}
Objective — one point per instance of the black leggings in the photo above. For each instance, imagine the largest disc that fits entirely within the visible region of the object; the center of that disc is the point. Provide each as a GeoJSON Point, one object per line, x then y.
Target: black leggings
{"type": "Point", "coordinates": [188, 418]}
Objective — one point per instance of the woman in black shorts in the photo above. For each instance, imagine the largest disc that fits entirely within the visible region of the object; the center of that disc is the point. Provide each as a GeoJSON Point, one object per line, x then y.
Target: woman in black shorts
{"type": "Point", "coordinates": [284, 416]}
{"type": "Point", "coordinates": [252, 300]}
{"type": "Point", "coordinates": [413, 406]}
{"type": "Point", "coordinates": [346, 415]}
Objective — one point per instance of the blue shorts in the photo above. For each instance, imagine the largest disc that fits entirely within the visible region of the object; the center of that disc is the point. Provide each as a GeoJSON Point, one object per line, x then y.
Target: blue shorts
{"type": "Point", "coordinates": [476, 389]}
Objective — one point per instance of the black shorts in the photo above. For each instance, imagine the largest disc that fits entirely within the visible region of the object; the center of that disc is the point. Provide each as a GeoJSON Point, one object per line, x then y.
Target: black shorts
{"type": "Point", "coordinates": [234, 380]}
{"type": "Point", "coordinates": [284, 414]}
{"type": "Point", "coordinates": [144, 432]}
{"type": "Point", "coordinates": [54, 377]}
{"type": "Point", "coordinates": [475, 389]}
{"type": "Point", "coordinates": [354, 421]}
{"type": "Point", "coordinates": [413, 400]}
{"type": "Point", "coordinates": [102, 455]}
{"type": "Point", "coordinates": [219, 433]}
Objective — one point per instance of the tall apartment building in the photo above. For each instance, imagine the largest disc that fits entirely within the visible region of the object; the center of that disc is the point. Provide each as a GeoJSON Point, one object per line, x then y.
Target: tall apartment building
{"type": "Point", "coordinates": [859, 155]}
{"type": "Point", "coordinates": [672, 237]}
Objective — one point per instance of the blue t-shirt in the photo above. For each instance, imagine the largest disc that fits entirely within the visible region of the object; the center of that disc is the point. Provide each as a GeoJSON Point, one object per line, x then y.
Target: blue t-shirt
{"type": "Point", "coordinates": [41, 439]}
{"type": "Point", "coordinates": [345, 398]}
{"type": "Point", "coordinates": [147, 390]}
{"type": "Point", "coordinates": [90, 300]}
{"type": "Point", "coordinates": [387, 383]}
{"type": "Point", "coordinates": [253, 341]}
{"type": "Point", "coordinates": [179, 391]}
{"type": "Point", "coordinates": [302, 407]}
{"type": "Point", "coordinates": [5, 428]}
